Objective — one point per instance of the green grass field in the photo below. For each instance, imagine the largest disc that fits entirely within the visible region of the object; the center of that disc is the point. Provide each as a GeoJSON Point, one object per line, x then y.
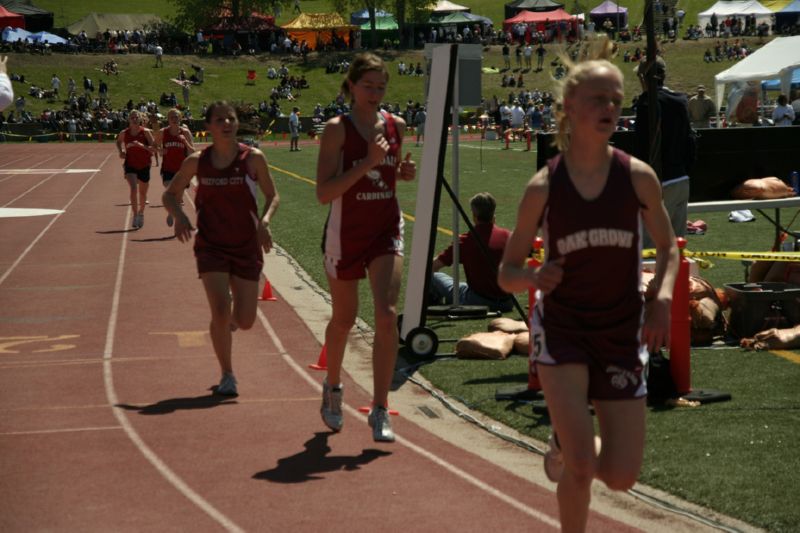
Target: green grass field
{"type": "Point", "coordinates": [736, 457]}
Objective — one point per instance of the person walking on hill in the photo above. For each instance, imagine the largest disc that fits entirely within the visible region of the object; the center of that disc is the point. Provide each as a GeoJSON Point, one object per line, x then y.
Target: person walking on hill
{"type": "Point", "coordinates": [590, 331]}
{"type": "Point", "coordinates": [231, 234]}
{"type": "Point", "coordinates": [136, 147]}
{"type": "Point", "coordinates": [294, 130]}
{"type": "Point", "coordinates": [358, 167]}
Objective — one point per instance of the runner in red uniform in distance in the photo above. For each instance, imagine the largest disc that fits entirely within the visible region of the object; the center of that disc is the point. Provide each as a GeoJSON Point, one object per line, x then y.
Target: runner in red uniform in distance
{"type": "Point", "coordinates": [136, 146]}
{"type": "Point", "coordinates": [175, 143]}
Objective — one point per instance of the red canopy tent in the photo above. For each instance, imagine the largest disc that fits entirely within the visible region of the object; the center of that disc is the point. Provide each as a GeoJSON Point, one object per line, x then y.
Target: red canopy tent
{"type": "Point", "coordinates": [537, 21]}
{"type": "Point", "coordinates": [7, 18]}
{"type": "Point", "coordinates": [534, 17]}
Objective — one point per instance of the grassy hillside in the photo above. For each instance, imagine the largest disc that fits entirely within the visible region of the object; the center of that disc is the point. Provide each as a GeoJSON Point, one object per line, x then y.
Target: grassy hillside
{"type": "Point", "coordinates": [226, 76]}
{"type": "Point", "coordinates": [66, 11]}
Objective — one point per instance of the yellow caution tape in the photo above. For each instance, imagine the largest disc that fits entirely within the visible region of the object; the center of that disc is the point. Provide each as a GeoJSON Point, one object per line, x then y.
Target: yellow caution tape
{"type": "Point", "coordinates": [765, 256]}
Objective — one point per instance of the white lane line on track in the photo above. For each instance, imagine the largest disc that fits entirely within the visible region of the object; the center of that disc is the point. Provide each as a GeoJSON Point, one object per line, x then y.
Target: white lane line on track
{"type": "Point", "coordinates": [40, 161]}
{"type": "Point", "coordinates": [122, 417]}
{"type": "Point", "coordinates": [16, 212]}
{"type": "Point", "coordinates": [47, 227]}
{"type": "Point", "coordinates": [65, 430]}
{"type": "Point", "coordinates": [42, 182]}
{"type": "Point", "coordinates": [469, 478]}
{"type": "Point", "coordinates": [21, 171]}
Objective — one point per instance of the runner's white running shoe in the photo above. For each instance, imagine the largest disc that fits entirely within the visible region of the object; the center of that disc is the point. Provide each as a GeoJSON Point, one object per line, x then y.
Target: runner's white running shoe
{"type": "Point", "coordinates": [331, 409]}
{"type": "Point", "coordinates": [378, 420]}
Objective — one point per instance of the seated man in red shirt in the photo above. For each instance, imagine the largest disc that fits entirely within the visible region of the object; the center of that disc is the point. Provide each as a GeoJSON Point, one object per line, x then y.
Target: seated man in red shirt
{"type": "Point", "coordinates": [481, 271]}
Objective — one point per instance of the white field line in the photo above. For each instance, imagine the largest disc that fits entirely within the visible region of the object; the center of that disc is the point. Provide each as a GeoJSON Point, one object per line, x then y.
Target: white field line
{"type": "Point", "coordinates": [42, 182]}
{"type": "Point", "coordinates": [47, 227]}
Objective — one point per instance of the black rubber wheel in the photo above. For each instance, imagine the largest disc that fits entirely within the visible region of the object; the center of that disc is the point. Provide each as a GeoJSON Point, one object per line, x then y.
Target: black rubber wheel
{"type": "Point", "coordinates": [422, 342]}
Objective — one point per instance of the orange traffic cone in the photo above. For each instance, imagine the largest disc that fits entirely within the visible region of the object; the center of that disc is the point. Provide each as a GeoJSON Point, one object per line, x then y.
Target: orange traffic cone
{"type": "Point", "coordinates": [368, 408]}
{"type": "Point", "coordinates": [322, 362]}
{"type": "Point", "coordinates": [266, 294]}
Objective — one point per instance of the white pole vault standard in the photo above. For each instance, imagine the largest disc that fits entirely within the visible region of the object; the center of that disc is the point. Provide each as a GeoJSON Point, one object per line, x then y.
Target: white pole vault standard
{"type": "Point", "coordinates": [442, 74]}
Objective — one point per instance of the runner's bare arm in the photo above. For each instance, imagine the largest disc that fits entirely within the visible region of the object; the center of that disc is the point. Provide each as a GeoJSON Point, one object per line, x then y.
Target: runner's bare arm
{"type": "Point", "coordinates": [657, 313]}
{"type": "Point", "coordinates": [121, 144]}
{"type": "Point", "coordinates": [258, 168]}
{"type": "Point", "coordinates": [174, 193]}
{"type": "Point", "coordinates": [188, 136]}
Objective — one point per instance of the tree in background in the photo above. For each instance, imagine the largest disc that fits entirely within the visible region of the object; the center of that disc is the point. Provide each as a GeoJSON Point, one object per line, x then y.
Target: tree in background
{"type": "Point", "coordinates": [192, 15]}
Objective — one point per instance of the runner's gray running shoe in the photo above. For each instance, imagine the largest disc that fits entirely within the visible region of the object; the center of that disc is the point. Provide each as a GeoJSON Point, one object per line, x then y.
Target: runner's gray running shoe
{"type": "Point", "coordinates": [553, 460]}
{"type": "Point", "coordinates": [169, 220]}
{"type": "Point", "coordinates": [331, 409]}
{"type": "Point", "coordinates": [378, 420]}
{"type": "Point", "coordinates": [135, 221]}
{"type": "Point", "coordinates": [141, 219]}
{"type": "Point", "coordinates": [227, 385]}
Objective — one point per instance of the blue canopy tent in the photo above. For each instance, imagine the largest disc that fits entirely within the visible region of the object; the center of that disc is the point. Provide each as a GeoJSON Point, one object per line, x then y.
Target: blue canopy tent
{"type": "Point", "coordinates": [14, 34]}
{"type": "Point", "coordinates": [775, 85]}
{"type": "Point", "coordinates": [360, 17]}
{"type": "Point", "coordinates": [47, 37]}
{"type": "Point", "coordinates": [788, 16]}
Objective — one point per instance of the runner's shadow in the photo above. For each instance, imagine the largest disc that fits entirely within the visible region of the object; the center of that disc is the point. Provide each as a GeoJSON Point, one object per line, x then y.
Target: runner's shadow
{"type": "Point", "coordinates": [170, 405]}
{"type": "Point", "coordinates": [113, 231]}
{"type": "Point", "coordinates": [314, 460]}
{"type": "Point", "coordinates": [154, 239]}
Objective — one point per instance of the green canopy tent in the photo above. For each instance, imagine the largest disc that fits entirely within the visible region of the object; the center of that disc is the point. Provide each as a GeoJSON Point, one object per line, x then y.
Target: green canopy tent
{"type": "Point", "coordinates": [385, 28]}
{"type": "Point", "coordinates": [386, 23]}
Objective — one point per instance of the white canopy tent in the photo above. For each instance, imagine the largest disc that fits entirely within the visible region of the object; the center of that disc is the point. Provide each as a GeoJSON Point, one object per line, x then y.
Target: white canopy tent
{"type": "Point", "coordinates": [739, 8]}
{"type": "Point", "coordinates": [445, 6]}
{"type": "Point", "coordinates": [777, 59]}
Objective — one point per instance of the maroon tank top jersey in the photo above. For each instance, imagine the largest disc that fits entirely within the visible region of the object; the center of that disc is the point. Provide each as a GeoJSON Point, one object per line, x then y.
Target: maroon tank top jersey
{"type": "Point", "coordinates": [136, 156]}
{"type": "Point", "coordinates": [369, 208]}
{"type": "Point", "coordinates": [227, 213]}
{"type": "Point", "coordinates": [174, 150]}
{"type": "Point", "coordinates": [598, 306]}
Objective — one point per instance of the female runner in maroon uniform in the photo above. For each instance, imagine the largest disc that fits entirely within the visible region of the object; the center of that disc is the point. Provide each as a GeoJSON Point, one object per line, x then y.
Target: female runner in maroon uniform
{"type": "Point", "coordinates": [230, 233]}
{"type": "Point", "coordinates": [175, 143]}
{"type": "Point", "coordinates": [590, 330]}
{"type": "Point", "coordinates": [359, 163]}
{"type": "Point", "coordinates": [136, 146]}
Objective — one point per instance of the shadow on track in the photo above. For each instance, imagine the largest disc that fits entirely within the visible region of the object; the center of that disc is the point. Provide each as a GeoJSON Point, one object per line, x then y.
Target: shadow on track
{"type": "Point", "coordinates": [314, 460]}
{"type": "Point", "coordinates": [168, 406]}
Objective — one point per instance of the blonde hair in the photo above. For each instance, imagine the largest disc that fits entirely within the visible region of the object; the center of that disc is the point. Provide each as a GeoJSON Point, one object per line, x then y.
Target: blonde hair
{"type": "Point", "coordinates": [594, 54]}
{"type": "Point", "coordinates": [362, 64]}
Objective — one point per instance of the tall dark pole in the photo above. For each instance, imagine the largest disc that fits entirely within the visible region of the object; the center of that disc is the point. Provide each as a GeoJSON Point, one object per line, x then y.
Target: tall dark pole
{"type": "Point", "coordinates": [653, 115]}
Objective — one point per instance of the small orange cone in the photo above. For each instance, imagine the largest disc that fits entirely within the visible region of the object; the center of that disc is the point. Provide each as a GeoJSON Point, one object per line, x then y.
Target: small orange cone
{"type": "Point", "coordinates": [368, 408]}
{"type": "Point", "coordinates": [322, 362]}
{"type": "Point", "coordinates": [266, 294]}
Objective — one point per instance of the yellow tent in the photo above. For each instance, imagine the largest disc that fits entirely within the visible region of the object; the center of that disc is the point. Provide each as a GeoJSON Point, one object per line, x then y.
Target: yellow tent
{"type": "Point", "coordinates": [318, 28]}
